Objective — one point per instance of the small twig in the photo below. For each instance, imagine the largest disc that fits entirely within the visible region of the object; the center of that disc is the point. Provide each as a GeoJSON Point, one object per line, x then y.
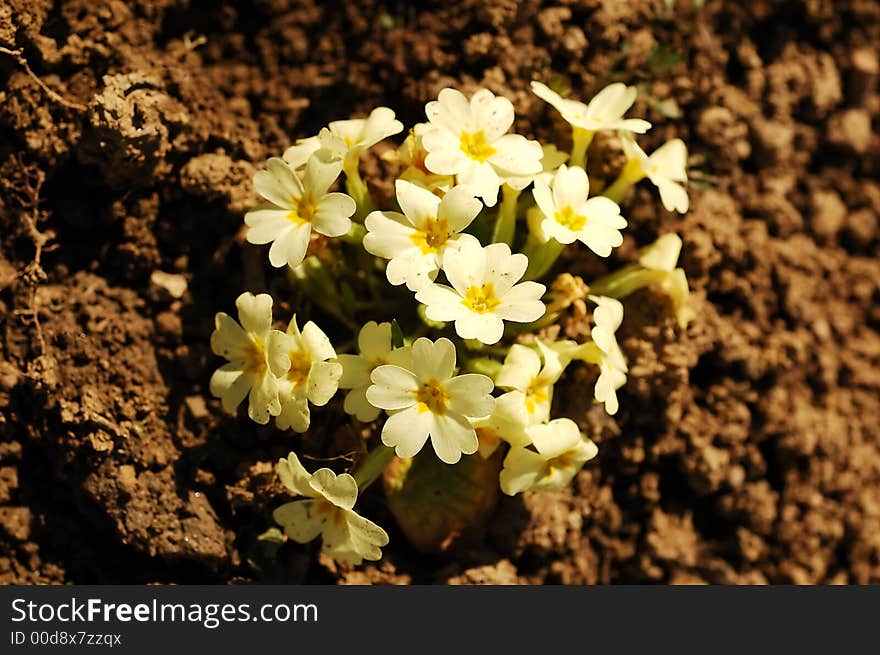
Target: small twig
{"type": "Point", "coordinates": [33, 272]}
{"type": "Point", "coordinates": [19, 57]}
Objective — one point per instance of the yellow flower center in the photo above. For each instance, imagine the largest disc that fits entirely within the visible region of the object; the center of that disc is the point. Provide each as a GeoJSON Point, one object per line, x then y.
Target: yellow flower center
{"type": "Point", "coordinates": [255, 357]}
{"type": "Point", "coordinates": [303, 210]}
{"type": "Point", "coordinates": [432, 235]}
{"type": "Point", "coordinates": [300, 367]}
{"type": "Point", "coordinates": [563, 461]}
{"type": "Point", "coordinates": [432, 397]}
{"type": "Point", "coordinates": [567, 218]}
{"type": "Point", "coordinates": [481, 299]}
{"type": "Point", "coordinates": [475, 146]}
{"type": "Point", "coordinates": [536, 393]}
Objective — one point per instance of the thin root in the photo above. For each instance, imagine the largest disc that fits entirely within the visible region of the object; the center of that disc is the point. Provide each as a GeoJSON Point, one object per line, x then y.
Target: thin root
{"type": "Point", "coordinates": [19, 57]}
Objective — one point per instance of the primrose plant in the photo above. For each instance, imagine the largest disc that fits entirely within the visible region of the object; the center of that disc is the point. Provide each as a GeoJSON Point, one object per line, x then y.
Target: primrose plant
{"type": "Point", "coordinates": [454, 351]}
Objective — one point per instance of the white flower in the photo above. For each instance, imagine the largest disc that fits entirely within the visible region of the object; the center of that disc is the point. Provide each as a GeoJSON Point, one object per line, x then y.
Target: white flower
{"type": "Point", "coordinates": [605, 111]}
{"type": "Point", "coordinates": [484, 292]}
{"type": "Point", "coordinates": [298, 155]}
{"type": "Point", "coordinates": [666, 168]}
{"type": "Point", "coordinates": [427, 401]}
{"type": "Point", "coordinates": [607, 317]}
{"type": "Point", "coordinates": [358, 134]}
{"type": "Point", "coordinates": [298, 206]}
{"type": "Point", "coordinates": [570, 215]}
{"type": "Point", "coordinates": [417, 240]}
{"type": "Point", "coordinates": [374, 344]}
{"type": "Point", "coordinates": [662, 255]}
{"type": "Point", "coordinates": [310, 378]}
{"type": "Point", "coordinates": [470, 141]}
{"type": "Point", "coordinates": [256, 354]}
{"type": "Point", "coordinates": [558, 452]}
{"type": "Point", "coordinates": [551, 159]}
{"type": "Point", "coordinates": [346, 139]}
{"type": "Point", "coordinates": [524, 372]}
{"type": "Point", "coordinates": [506, 424]}
{"type": "Point", "coordinates": [411, 154]}
{"type": "Point", "coordinates": [328, 512]}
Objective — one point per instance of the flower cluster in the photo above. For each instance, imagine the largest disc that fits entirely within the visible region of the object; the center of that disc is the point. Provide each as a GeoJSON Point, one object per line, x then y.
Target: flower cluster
{"type": "Point", "coordinates": [456, 350]}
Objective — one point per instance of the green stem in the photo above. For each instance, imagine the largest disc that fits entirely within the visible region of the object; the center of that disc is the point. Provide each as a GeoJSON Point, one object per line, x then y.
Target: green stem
{"type": "Point", "coordinates": [505, 224]}
{"type": "Point", "coordinates": [541, 256]}
{"type": "Point", "coordinates": [632, 172]}
{"type": "Point", "coordinates": [371, 468]}
{"type": "Point", "coordinates": [627, 280]}
{"type": "Point", "coordinates": [357, 189]}
{"type": "Point", "coordinates": [355, 235]}
{"type": "Point", "coordinates": [581, 140]}
{"type": "Point", "coordinates": [514, 329]}
{"type": "Point", "coordinates": [484, 365]}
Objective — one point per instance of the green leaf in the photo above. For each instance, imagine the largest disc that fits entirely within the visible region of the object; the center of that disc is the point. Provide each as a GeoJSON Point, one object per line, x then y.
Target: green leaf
{"type": "Point", "coordinates": [396, 334]}
{"type": "Point", "coordinates": [441, 506]}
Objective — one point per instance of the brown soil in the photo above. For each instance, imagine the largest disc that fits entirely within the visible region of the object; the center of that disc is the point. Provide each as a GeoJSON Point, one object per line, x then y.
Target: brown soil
{"type": "Point", "coordinates": [746, 450]}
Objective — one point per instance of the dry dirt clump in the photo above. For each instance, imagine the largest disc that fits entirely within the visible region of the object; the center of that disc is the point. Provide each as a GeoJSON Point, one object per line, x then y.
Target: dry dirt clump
{"type": "Point", "coordinates": [746, 449]}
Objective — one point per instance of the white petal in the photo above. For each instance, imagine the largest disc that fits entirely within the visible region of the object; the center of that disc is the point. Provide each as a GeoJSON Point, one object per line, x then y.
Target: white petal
{"type": "Point", "coordinates": [459, 207]}
{"type": "Point", "coordinates": [520, 366]}
{"type": "Point", "coordinates": [503, 269]}
{"type": "Point", "coordinates": [433, 360]}
{"type": "Point", "coordinates": [443, 303]}
{"type": "Point", "coordinates": [469, 394]}
{"type": "Point", "coordinates": [294, 476]}
{"type": "Point", "coordinates": [465, 266]}
{"type": "Point", "coordinates": [571, 186]}
{"type": "Point", "coordinates": [317, 342]}
{"type": "Point", "coordinates": [407, 431]}
{"type": "Point", "coordinates": [294, 414]}
{"type": "Point", "coordinates": [492, 114]}
{"type": "Point", "coordinates": [453, 435]}
{"type": "Point", "coordinates": [332, 214]}
{"type": "Point", "coordinates": [661, 255]}
{"type": "Point", "coordinates": [356, 403]}
{"type": "Point", "coordinates": [555, 437]}
{"type": "Point", "coordinates": [444, 156]}
{"type": "Point", "coordinates": [544, 198]}
{"type": "Point", "coordinates": [355, 372]}
{"type": "Point", "coordinates": [228, 338]}
{"type": "Point", "coordinates": [341, 490]}
{"type": "Point", "coordinates": [299, 520]}
{"type": "Point", "coordinates": [365, 536]}
{"type": "Point", "coordinates": [393, 387]}
{"type": "Point", "coordinates": [516, 155]}
{"type": "Point", "coordinates": [278, 183]}
{"type": "Point", "coordinates": [417, 203]}
{"type": "Point", "coordinates": [674, 196]}
{"type": "Point", "coordinates": [255, 312]}
{"type": "Point", "coordinates": [451, 111]}
{"type": "Point", "coordinates": [321, 172]}
{"type": "Point", "coordinates": [265, 225]}
{"type": "Point", "coordinates": [297, 155]}
{"type": "Point", "coordinates": [290, 249]}
{"type": "Point", "coordinates": [278, 350]}
{"type": "Point", "coordinates": [522, 303]}
{"type": "Point", "coordinates": [374, 340]}
{"type": "Point", "coordinates": [486, 328]}
{"type": "Point", "coordinates": [484, 179]}
{"type": "Point", "coordinates": [389, 234]}
{"type": "Point", "coordinates": [230, 384]}
{"type": "Point", "coordinates": [323, 382]}
{"type": "Point", "coordinates": [612, 102]}
{"type": "Point", "coordinates": [263, 399]}
{"type": "Point", "coordinates": [521, 468]}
